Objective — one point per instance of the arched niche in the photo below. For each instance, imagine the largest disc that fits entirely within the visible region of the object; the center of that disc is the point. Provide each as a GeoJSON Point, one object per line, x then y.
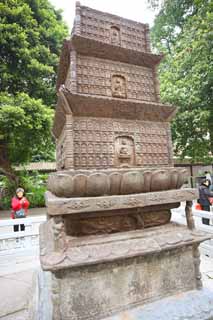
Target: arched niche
{"type": "Point", "coordinates": [124, 151]}
{"type": "Point", "coordinates": [115, 35]}
{"type": "Point", "coordinates": [118, 86]}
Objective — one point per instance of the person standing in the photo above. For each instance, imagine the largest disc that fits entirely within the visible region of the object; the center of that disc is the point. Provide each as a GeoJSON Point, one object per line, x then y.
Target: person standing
{"type": "Point", "coordinates": [208, 176]}
{"type": "Point", "coordinates": [19, 205]}
{"type": "Point", "coordinates": [204, 195]}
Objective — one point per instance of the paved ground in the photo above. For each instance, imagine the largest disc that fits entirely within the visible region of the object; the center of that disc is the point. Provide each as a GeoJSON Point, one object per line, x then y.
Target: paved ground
{"type": "Point", "coordinates": [18, 282]}
{"type": "Point", "coordinates": [5, 214]}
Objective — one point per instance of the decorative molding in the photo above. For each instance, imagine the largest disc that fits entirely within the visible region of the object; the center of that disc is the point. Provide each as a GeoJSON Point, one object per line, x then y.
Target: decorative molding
{"type": "Point", "coordinates": [61, 206]}
{"type": "Point", "coordinates": [130, 244]}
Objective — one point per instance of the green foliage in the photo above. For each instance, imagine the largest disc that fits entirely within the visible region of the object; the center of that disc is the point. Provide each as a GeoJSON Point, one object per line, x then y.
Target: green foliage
{"type": "Point", "coordinates": [183, 31]}
{"type": "Point", "coordinates": [31, 35]}
{"type": "Point", "coordinates": [33, 184]}
{"type": "Point", "coordinates": [25, 124]}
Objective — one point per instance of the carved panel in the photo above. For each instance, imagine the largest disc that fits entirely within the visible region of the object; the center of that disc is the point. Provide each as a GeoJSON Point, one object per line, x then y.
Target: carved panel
{"type": "Point", "coordinates": [60, 151]}
{"type": "Point", "coordinates": [64, 146]}
{"type": "Point", "coordinates": [98, 143]}
{"type": "Point", "coordinates": [118, 86]}
{"type": "Point", "coordinates": [109, 78]}
{"type": "Point", "coordinates": [124, 151]}
{"type": "Point", "coordinates": [123, 220]}
{"type": "Point", "coordinates": [115, 35]}
{"type": "Point", "coordinates": [112, 29]}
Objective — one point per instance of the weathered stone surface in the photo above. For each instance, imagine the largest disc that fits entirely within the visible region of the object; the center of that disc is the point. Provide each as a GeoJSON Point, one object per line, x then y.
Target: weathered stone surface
{"type": "Point", "coordinates": [115, 183]}
{"type": "Point", "coordinates": [132, 182]}
{"type": "Point", "coordinates": [182, 178]}
{"type": "Point", "coordinates": [190, 305]}
{"type": "Point", "coordinates": [80, 185]}
{"type": "Point", "coordinates": [97, 184]}
{"type": "Point", "coordinates": [103, 289]}
{"type": "Point", "coordinates": [63, 186]}
{"type": "Point", "coordinates": [112, 182]}
{"type": "Point", "coordinates": [120, 220]}
{"type": "Point", "coordinates": [61, 206]}
{"type": "Point", "coordinates": [174, 179]}
{"type": "Point", "coordinates": [147, 181]}
{"type": "Point", "coordinates": [104, 248]}
{"type": "Point", "coordinates": [160, 180]}
{"type": "Point", "coordinates": [111, 29]}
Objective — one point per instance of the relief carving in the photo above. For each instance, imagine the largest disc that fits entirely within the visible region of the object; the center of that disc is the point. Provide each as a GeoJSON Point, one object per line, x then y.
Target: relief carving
{"type": "Point", "coordinates": [112, 223]}
{"type": "Point", "coordinates": [96, 137]}
{"type": "Point", "coordinates": [124, 151]}
{"type": "Point", "coordinates": [115, 35]}
{"type": "Point", "coordinates": [118, 86]}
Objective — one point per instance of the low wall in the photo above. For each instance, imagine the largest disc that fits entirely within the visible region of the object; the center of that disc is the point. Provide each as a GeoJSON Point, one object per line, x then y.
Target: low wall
{"type": "Point", "coordinates": [12, 241]}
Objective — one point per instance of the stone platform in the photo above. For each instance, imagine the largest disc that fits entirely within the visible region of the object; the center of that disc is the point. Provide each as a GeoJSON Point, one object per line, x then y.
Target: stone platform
{"type": "Point", "coordinates": [192, 305]}
{"type": "Point", "coordinates": [108, 274]}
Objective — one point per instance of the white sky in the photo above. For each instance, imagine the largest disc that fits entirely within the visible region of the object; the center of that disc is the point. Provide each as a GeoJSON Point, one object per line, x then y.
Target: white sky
{"type": "Point", "coordinates": [135, 9]}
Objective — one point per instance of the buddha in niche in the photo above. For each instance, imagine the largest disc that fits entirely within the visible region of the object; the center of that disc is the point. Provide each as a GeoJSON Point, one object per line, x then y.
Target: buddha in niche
{"type": "Point", "coordinates": [115, 35]}
{"type": "Point", "coordinates": [124, 150]}
{"type": "Point", "coordinates": [118, 86]}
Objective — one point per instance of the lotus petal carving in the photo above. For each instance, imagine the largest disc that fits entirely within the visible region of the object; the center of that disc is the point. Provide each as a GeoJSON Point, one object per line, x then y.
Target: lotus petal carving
{"type": "Point", "coordinates": [81, 183]}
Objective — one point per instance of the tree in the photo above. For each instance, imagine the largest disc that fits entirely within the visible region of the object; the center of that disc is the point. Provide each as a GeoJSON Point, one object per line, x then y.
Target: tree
{"type": "Point", "coordinates": [31, 35]}
{"type": "Point", "coordinates": [25, 128]}
{"type": "Point", "coordinates": [185, 36]}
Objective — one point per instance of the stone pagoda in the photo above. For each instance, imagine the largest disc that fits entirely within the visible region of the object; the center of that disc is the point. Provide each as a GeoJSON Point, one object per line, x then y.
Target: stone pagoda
{"type": "Point", "coordinates": [109, 243]}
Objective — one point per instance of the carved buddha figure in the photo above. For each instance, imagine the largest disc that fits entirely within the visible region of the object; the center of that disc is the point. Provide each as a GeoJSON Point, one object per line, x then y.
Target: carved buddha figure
{"type": "Point", "coordinates": [124, 150]}
{"type": "Point", "coordinates": [115, 35]}
{"type": "Point", "coordinates": [118, 86]}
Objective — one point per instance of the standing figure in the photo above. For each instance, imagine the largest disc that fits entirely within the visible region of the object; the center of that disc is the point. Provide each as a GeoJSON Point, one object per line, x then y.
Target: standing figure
{"type": "Point", "coordinates": [204, 195]}
{"type": "Point", "coordinates": [19, 206]}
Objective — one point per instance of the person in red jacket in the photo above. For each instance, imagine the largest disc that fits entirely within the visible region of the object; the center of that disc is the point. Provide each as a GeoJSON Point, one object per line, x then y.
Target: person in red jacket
{"type": "Point", "coordinates": [19, 206]}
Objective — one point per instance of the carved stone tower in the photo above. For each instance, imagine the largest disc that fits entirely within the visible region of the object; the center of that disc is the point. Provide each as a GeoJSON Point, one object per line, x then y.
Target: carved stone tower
{"type": "Point", "coordinates": [108, 241]}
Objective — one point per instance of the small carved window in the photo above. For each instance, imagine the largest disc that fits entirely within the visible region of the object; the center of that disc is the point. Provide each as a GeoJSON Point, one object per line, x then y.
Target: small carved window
{"type": "Point", "coordinates": [118, 86]}
{"type": "Point", "coordinates": [115, 35]}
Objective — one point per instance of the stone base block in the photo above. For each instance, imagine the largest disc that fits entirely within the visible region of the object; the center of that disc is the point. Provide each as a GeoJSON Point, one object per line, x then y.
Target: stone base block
{"type": "Point", "coordinates": [100, 276]}
{"type": "Point", "coordinates": [93, 292]}
{"type": "Point", "coordinates": [193, 305]}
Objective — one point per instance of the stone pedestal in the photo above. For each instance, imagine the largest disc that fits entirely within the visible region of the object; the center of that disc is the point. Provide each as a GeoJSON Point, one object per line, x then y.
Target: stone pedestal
{"type": "Point", "coordinates": [99, 276]}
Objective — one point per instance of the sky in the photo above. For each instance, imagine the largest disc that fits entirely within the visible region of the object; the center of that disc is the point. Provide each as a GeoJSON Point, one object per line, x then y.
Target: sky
{"type": "Point", "coordinates": [135, 9]}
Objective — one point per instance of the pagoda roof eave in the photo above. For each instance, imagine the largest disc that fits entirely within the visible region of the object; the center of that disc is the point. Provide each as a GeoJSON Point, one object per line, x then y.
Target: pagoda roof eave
{"type": "Point", "coordinates": [94, 48]}
{"type": "Point", "coordinates": [84, 105]}
{"type": "Point", "coordinates": [100, 49]}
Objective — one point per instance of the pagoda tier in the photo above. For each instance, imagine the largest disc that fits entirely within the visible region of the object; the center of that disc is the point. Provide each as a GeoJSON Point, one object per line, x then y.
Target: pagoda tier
{"type": "Point", "coordinates": [91, 47]}
{"type": "Point", "coordinates": [101, 132]}
{"type": "Point", "coordinates": [85, 105]}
